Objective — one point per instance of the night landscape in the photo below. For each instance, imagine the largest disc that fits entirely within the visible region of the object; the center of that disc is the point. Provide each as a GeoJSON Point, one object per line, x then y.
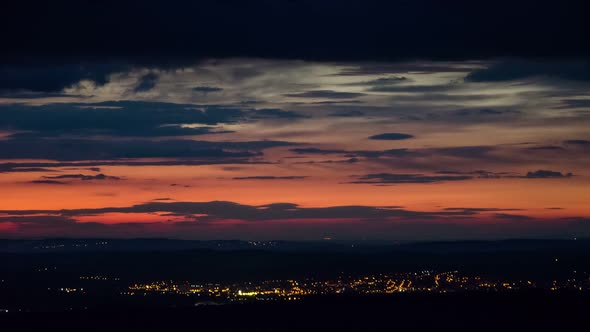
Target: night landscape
{"type": "Point", "coordinates": [294, 165]}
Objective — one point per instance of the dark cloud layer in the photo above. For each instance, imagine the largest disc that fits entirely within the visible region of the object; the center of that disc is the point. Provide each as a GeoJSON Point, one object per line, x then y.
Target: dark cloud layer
{"type": "Point", "coordinates": [386, 81]}
{"type": "Point", "coordinates": [576, 103]}
{"type": "Point", "coordinates": [307, 29]}
{"type": "Point", "coordinates": [578, 142]}
{"type": "Point", "coordinates": [110, 117]}
{"type": "Point", "coordinates": [48, 182]}
{"type": "Point", "coordinates": [353, 153]}
{"type": "Point", "coordinates": [52, 166]}
{"type": "Point", "coordinates": [444, 176]}
{"type": "Point", "coordinates": [383, 222]}
{"type": "Point", "coordinates": [83, 177]}
{"type": "Point", "coordinates": [459, 152]}
{"type": "Point", "coordinates": [516, 69]}
{"type": "Point", "coordinates": [44, 49]}
{"type": "Point", "coordinates": [482, 174]}
{"type": "Point", "coordinates": [543, 174]}
{"type": "Point", "coordinates": [348, 114]}
{"type": "Point", "coordinates": [126, 118]}
{"type": "Point", "coordinates": [84, 149]}
{"type": "Point", "coordinates": [293, 177]}
{"type": "Point", "coordinates": [391, 178]}
{"type": "Point", "coordinates": [413, 88]}
{"type": "Point", "coordinates": [207, 89]}
{"type": "Point", "coordinates": [273, 113]}
{"type": "Point", "coordinates": [63, 178]}
{"type": "Point", "coordinates": [220, 210]}
{"type": "Point", "coordinates": [328, 94]}
{"type": "Point", "coordinates": [52, 78]}
{"type": "Point", "coordinates": [16, 168]}
{"type": "Point", "coordinates": [451, 160]}
{"type": "Point", "coordinates": [146, 82]}
{"type": "Point", "coordinates": [391, 136]}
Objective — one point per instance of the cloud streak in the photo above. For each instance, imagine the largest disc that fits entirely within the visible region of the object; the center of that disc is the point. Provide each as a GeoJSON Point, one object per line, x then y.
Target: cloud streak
{"type": "Point", "coordinates": [445, 176]}
{"type": "Point", "coordinates": [391, 178]}
{"type": "Point", "coordinates": [223, 210]}
{"type": "Point", "coordinates": [84, 149]}
{"type": "Point", "coordinates": [127, 118]}
{"type": "Point", "coordinates": [325, 94]}
{"type": "Point", "coordinates": [391, 137]}
{"type": "Point", "coordinates": [83, 177]}
{"type": "Point", "coordinates": [286, 220]}
{"type": "Point", "coordinates": [269, 177]}
{"type": "Point", "coordinates": [146, 83]}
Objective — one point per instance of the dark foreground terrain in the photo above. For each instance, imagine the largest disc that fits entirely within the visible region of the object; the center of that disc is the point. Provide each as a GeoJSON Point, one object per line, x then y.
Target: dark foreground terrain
{"type": "Point", "coordinates": [101, 285]}
{"type": "Point", "coordinates": [535, 311]}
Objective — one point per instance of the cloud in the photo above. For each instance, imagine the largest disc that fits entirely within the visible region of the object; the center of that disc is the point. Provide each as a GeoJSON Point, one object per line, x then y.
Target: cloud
{"type": "Point", "coordinates": [270, 178]}
{"type": "Point", "coordinates": [391, 178]}
{"type": "Point", "coordinates": [478, 210]}
{"type": "Point", "coordinates": [48, 182]}
{"type": "Point", "coordinates": [578, 142]}
{"type": "Point", "coordinates": [85, 149]}
{"type": "Point", "coordinates": [445, 176]}
{"type": "Point", "coordinates": [207, 89]}
{"type": "Point", "coordinates": [146, 83]}
{"type": "Point", "coordinates": [330, 161]}
{"type": "Point", "coordinates": [224, 210]}
{"type": "Point", "coordinates": [126, 118]}
{"type": "Point", "coordinates": [512, 217]}
{"type": "Point", "coordinates": [51, 78]}
{"type": "Point", "coordinates": [22, 94]}
{"type": "Point", "coordinates": [354, 153]}
{"type": "Point", "coordinates": [518, 69]}
{"type": "Point", "coordinates": [387, 81]}
{"type": "Point", "coordinates": [15, 168]}
{"type": "Point", "coordinates": [576, 103]}
{"type": "Point", "coordinates": [502, 156]}
{"type": "Point", "coordinates": [485, 112]}
{"type": "Point", "coordinates": [162, 131]}
{"type": "Point", "coordinates": [470, 152]}
{"type": "Point", "coordinates": [273, 113]}
{"type": "Point", "coordinates": [327, 94]}
{"type": "Point", "coordinates": [287, 221]}
{"type": "Point", "coordinates": [41, 220]}
{"type": "Point", "coordinates": [348, 114]}
{"type": "Point", "coordinates": [481, 174]}
{"type": "Point", "coordinates": [49, 166]}
{"type": "Point", "coordinates": [391, 136]}
{"type": "Point", "coordinates": [58, 179]}
{"type": "Point", "coordinates": [401, 68]}
{"type": "Point", "coordinates": [84, 177]}
{"type": "Point", "coordinates": [379, 82]}
{"type": "Point", "coordinates": [466, 116]}
{"type": "Point", "coordinates": [114, 117]}
{"type": "Point", "coordinates": [543, 174]}
{"type": "Point", "coordinates": [318, 151]}
{"type": "Point", "coordinates": [414, 88]}
{"type": "Point", "coordinates": [403, 152]}
{"type": "Point", "coordinates": [329, 102]}
{"type": "Point", "coordinates": [547, 148]}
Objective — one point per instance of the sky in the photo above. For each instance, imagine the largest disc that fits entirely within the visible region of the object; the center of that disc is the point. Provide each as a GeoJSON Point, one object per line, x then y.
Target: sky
{"type": "Point", "coordinates": [295, 120]}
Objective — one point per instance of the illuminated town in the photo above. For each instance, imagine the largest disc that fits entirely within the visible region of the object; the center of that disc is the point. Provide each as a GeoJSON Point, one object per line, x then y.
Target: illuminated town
{"type": "Point", "coordinates": [293, 290]}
